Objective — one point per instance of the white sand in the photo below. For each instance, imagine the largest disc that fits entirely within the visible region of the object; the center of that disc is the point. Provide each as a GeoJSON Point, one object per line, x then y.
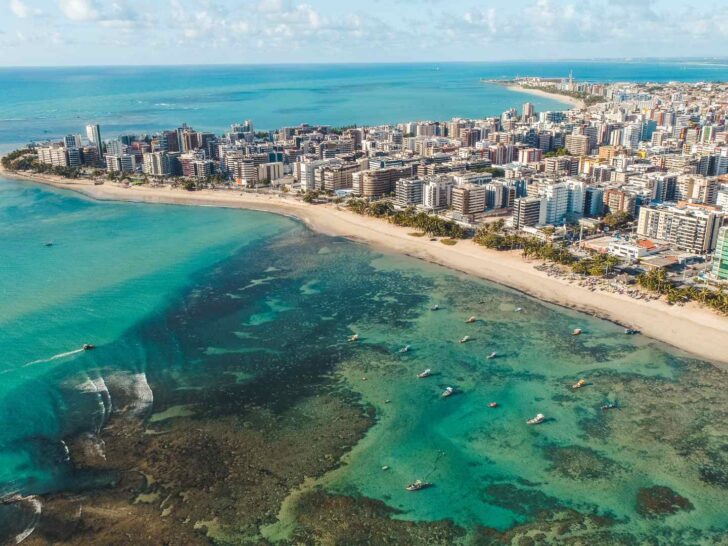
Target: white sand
{"type": "Point", "coordinates": [694, 329]}
{"type": "Point", "coordinates": [576, 103]}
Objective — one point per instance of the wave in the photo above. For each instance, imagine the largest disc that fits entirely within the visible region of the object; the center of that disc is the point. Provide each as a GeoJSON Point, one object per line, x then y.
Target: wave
{"type": "Point", "coordinates": [30, 507]}
{"type": "Point", "coordinates": [135, 391]}
{"type": "Point", "coordinates": [54, 357]}
{"type": "Point", "coordinates": [97, 387]}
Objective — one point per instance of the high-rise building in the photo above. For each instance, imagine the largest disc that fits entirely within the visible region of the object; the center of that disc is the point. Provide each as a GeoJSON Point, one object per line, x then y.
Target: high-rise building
{"type": "Point", "coordinates": [720, 256]}
{"type": "Point", "coordinates": [437, 193]}
{"type": "Point", "coordinates": [528, 110]}
{"type": "Point", "coordinates": [529, 211]}
{"type": "Point", "coordinates": [93, 134]}
{"type": "Point", "coordinates": [157, 164]}
{"type": "Point", "coordinates": [577, 144]}
{"type": "Point", "coordinates": [409, 192]}
{"type": "Point", "coordinates": [685, 227]}
{"type": "Point", "coordinates": [616, 200]}
{"type": "Point", "coordinates": [593, 202]}
{"type": "Point", "coordinates": [468, 199]}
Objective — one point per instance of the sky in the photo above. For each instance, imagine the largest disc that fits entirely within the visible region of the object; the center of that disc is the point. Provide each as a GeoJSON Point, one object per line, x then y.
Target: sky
{"type": "Point", "coordinates": [134, 32]}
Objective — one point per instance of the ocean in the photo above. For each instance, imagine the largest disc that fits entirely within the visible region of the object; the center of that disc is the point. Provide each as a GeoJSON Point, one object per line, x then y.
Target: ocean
{"type": "Point", "coordinates": [201, 315]}
{"type": "Point", "coordinates": [223, 377]}
{"type": "Point", "coordinates": [42, 103]}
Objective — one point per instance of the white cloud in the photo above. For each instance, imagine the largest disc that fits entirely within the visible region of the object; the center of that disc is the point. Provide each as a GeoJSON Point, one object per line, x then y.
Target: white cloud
{"type": "Point", "coordinates": [19, 9]}
{"type": "Point", "coordinates": [79, 10]}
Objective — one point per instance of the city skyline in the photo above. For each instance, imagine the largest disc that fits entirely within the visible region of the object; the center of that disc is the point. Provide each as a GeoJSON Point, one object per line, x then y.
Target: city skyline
{"type": "Point", "coordinates": [88, 32]}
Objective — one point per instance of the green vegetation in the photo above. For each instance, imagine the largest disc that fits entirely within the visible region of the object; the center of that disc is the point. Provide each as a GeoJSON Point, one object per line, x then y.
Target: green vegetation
{"type": "Point", "coordinates": [449, 242]}
{"type": "Point", "coordinates": [658, 282]}
{"type": "Point", "coordinates": [432, 225]}
{"type": "Point", "coordinates": [617, 220]}
{"type": "Point", "coordinates": [310, 196]}
{"type": "Point", "coordinates": [27, 160]}
{"type": "Point", "coordinates": [492, 236]}
{"type": "Point", "coordinates": [557, 153]}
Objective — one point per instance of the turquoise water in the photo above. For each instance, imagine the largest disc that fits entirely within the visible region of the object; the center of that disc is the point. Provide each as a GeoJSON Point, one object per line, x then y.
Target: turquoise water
{"type": "Point", "coordinates": [41, 103]}
{"type": "Point", "coordinates": [110, 267]}
{"type": "Point", "coordinates": [195, 310]}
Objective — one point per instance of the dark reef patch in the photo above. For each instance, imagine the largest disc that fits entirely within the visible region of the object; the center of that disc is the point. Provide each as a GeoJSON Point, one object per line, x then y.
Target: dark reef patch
{"type": "Point", "coordinates": [659, 501]}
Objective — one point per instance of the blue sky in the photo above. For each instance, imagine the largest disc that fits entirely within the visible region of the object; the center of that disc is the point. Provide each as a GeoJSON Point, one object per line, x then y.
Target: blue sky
{"type": "Point", "coordinates": [130, 32]}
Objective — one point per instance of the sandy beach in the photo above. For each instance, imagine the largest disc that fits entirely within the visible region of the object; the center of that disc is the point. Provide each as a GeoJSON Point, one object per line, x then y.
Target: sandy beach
{"type": "Point", "coordinates": [696, 330]}
{"type": "Point", "coordinates": [576, 103]}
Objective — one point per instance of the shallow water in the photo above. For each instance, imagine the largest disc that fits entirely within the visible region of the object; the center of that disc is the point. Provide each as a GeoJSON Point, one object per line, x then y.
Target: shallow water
{"type": "Point", "coordinates": [201, 312]}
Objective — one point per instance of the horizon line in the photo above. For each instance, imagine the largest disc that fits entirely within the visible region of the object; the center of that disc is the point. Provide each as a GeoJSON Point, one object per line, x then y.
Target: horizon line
{"type": "Point", "coordinates": [626, 60]}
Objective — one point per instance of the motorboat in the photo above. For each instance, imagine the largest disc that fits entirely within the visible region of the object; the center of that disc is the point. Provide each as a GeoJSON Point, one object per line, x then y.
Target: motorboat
{"type": "Point", "coordinates": [435, 308]}
{"type": "Point", "coordinates": [88, 346]}
{"type": "Point", "coordinates": [579, 384]}
{"type": "Point", "coordinates": [385, 467]}
{"type": "Point", "coordinates": [492, 355]}
{"type": "Point", "coordinates": [631, 331]}
{"type": "Point", "coordinates": [519, 309]}
{"type": "Point", "coordinates": [417, 485]}
{"type": "Point", "coordinates": [48, 243]}
{"type": "Point", "coordinates": [447, 392]}
{"type": "Point", "coordinates": [405, 349]}
{"type": "Point", "coordinates": [576, 332]}
{"type": "Point", "coordinates": [355, 337]}
{"type": "Point", "coordinates": [540, 418]}
{"type": "Point", "coordinates": [609, 405]}
{"type": "Point", "coordinates": [493, 405]}
{"type": "Point", "coordinates": [426, 373]}
{"type": "Point", "coordinates": [470, 320]}
{"type": "Point", "coordinates": [465, 339]}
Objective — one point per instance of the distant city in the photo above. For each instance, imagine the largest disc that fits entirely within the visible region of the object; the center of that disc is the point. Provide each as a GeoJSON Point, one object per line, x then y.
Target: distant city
{"type": "Point", "coordinates": [653, 158]}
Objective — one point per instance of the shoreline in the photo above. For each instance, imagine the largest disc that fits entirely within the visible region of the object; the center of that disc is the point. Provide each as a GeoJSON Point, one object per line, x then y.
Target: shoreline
{"type": "Point", "coordinates": [575, 103]}
{"type": "Point", "coordinates": [695, 330]}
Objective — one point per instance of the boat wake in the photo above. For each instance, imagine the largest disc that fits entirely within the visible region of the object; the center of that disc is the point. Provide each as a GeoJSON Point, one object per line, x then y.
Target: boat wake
{"type": "Point", "coordinates": [54, 357]}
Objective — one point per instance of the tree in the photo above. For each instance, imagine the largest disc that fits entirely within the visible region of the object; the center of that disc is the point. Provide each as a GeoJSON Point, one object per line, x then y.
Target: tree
{"type": "Point", "coordinates": [617, 220]}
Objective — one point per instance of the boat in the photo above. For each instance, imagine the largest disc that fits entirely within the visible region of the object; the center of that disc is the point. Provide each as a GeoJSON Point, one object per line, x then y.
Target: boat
{"type": "Point", "coordinates": [579, 384]}
{"type": "Point", "coordinates": [465, 339]}
{"type": "Point", "coordinates": [492, 355]}
{"type": "Point", "coordinates": [609, 405]}
{"type": "Point", "coordinates": [385, 467]}
{"type": "Point", "coordinates": [88, 347]}
{"type": "Point", "coordinates": [426, 373]}
{"type": "Point", "coordinates": [493, 405]}
{"type": "Point", "coordinates": [576, 332]}
{"type": "Point", "coordinates": [48, 243]}
{"type": "Point", "coordinates": [447, 392]}
{"type": "Point", "coordinates": [404, 349]}
{"type": "Point", "coordinates": [631, 331]}
{"type": "Point", "coordinates": [519, 309]}
{"type": "Point", "coordinates": [540, 418]}
{"type": "Point", "coordinates": [470, 320]}
{"type": "Point", "coordinates": [435, 308]}
{"type": "Point", "coordinates": [417, 485]}
{"type": "Point", "coordinates": [355, 337]}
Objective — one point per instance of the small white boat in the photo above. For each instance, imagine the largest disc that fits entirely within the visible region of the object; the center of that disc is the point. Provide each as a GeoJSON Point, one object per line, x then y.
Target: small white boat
{"type": "Point", "coordinates": [426, 373]}
{"type": "Point", "coordinates": [519, 309]}
{"type": "Point", "coordinates": [417, 485]}
{"type": "Point", "coordinates": [385, 467]}
{"type": "Point", "coordinates": [492, 355]}
{"type": "Point", "coordinates": [405, 349]}
{"type": "Point", "coordinates": [447, 392]}
{"type": "Point", "coordinates": [471, 320]}
{"type": "Point", "coordinates": [579, 384]}
{"type": "Point", "coordinates": [609, 405]}
{"type": "Point", "coordinates": [88, 347]}
{"type": "Point", "coordinates": [355, 337]}
{"type": "Point", "coordinates": [435, 308]}
{"type": "Point", "coordinates": [540, 418]}
{"type": "Point", "coordinates": [465, 339]}
{"type": "Point", "coordinates": [576, 332]}
{"type": "Point", "coordinates": [493, 405]}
